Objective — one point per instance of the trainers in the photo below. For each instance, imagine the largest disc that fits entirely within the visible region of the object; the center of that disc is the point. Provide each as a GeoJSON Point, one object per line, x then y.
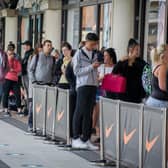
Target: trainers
{"type": "Point", "coordinates": [20, 114]}
{"type": "Point", "coordinates": [78, 144]}
{"type": "Point", "coordinates": [91, 146]}
{"type": "Point", "coordinates": [7, 114]}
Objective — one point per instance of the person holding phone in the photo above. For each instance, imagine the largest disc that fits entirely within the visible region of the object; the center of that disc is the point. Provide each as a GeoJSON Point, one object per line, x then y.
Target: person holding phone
{"type": "Point", "coordinates": [85, 65]}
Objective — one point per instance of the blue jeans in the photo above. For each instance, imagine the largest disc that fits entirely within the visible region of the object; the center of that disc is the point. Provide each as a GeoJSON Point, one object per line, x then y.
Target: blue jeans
{"type": "Point", "coordinates": [156, 103]}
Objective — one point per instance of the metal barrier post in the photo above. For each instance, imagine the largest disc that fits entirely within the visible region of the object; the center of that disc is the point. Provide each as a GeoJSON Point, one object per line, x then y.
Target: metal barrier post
{"type": "Point", "coordinates": [102, 155]}
{"type": "Point", "coordinates": [164, 161]}
{"type": "Point", "coordinates": [118, 134]}
{"type": "Point", "coordinates": [34, 112]}
{"type": "Point", "coordinates": [45, 114]}
{"type": "Point", "coordinates": [141, 136]}
{"type": "Point", "coordinates": [68, 118]}
{"type": "Point", "coordinates": [54, 118]}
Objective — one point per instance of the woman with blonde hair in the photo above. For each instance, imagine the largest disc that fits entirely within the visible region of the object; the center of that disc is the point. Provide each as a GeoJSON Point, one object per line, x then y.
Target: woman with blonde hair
{"type": "Point", "coordinates": [159, 95]}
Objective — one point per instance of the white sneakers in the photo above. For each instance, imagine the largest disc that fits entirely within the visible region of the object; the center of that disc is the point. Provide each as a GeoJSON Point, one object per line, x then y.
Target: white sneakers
{"type": "Point", "coordinates": [79, 144]}
{"type": "Point", "coordinates": [91, 146]}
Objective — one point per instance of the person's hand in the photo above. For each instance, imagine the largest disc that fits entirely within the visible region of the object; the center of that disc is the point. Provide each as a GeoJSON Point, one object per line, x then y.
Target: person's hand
{"type": "Point", "coordinates": [101, 78]}
{"type": "Point", "coordinates": [96, 65]}
{"type": "Point", "coordinates": [124, 58]}
{"type": "Point", "coordinates": [11, 69]}
{"type": "Point", "coordinates": [56, 56]}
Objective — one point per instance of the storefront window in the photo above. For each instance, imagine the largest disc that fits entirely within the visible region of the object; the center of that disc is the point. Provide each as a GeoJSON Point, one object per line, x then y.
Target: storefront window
{"type": "Point", "coordinates": [73, 27]}
{"type": "Point", "coordinates": [35, 29]}
{"type": "Point", "coordinates": [155, 25]}
{"type": "Point", "coordinates": [25, 29]}
{"type": "Point", "coordinates": [2, 33]}
{"type": "Point", "coordinates": [89, 18]}
{"type": "Point", "coordinates": [83, 16]}
{"type": "Point", "coordinates": [105, 25]}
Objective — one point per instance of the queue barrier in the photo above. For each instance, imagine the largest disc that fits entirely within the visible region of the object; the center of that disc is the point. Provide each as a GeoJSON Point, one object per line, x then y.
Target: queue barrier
{"type": "Point", "coordinates": [51, 112]}
{"type": "Point", "coordinates": [154, 138]}
{"type": "Point", "coordinates": [133, 134]}
{"type": "Point", "coordinates": [39, 108]}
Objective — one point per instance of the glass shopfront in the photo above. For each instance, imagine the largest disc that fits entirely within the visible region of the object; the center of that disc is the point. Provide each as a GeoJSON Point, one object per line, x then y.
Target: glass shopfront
{"type": "Point", "coordinates": [30, 28]}
{"type": "Point", "coordinates": [89, 18]}
{"type": "Point", "coordinates": [81, 17]}
{"type": "Point", "coordinates": [156, 25]}
{"type": "Point", "coordinates": [2, 33]}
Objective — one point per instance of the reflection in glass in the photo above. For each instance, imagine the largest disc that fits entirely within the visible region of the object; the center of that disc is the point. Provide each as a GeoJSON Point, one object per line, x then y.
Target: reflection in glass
{"type": "Point", "coordinates": [89, 16]}
{"type": "Point", "coordinates": [73, 27]}
{"type": "Point", "coordinates": [105, 25]}
{"type": "Point", "coordinates": [156, 16]}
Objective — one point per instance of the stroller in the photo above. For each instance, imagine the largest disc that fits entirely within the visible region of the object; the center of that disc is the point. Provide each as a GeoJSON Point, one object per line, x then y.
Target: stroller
{"type": "Point", "coordinates": [12, 103]}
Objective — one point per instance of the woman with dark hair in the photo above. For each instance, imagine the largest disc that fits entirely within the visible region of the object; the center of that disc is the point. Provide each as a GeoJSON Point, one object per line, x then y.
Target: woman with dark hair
{"type": "Point", "coordinates": [67, 57]}
{"type": "Point", "coordinates": [110, 59]}
{"type": "Point", "coordinates": [131, 68]}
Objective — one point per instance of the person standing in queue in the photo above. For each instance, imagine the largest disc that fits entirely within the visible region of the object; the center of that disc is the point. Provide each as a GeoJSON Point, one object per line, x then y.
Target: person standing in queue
{"type": "Point", "coordinates": [85, 67]}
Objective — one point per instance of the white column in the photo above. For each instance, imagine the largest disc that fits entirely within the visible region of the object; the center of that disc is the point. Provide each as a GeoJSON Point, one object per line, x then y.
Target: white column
{"type": "Point", "coordinates": [10, 30]}
{"type": "Point", "coordinates": [122, 24]}
{"type": "Point", "coordinates": [52, 27]}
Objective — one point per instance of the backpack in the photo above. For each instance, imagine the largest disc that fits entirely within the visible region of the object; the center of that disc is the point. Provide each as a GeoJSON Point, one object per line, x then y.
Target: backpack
{"type": "Point", "coordinates": [147, 79]}
{"type": "Point", "coordinates": [3, 65]}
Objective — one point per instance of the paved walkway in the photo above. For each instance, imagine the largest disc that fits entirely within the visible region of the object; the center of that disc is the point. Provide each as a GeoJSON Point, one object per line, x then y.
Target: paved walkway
{"type": "Point", "coordinates": [19, 150]}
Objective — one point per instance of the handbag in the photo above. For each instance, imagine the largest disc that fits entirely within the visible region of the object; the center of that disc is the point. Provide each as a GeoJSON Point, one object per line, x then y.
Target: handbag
{"type": "Point", "coordinates": [114, 83]}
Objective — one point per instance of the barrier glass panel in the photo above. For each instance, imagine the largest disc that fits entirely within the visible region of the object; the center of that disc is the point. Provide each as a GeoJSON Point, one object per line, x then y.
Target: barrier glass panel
{"type": "Point", "coordinates": [51, 110]}
{"type": "Point", "coordinates": [39, 99]}
{"type": "Point", "coordinates": [130, 115]}
{"type": "Point", "coordinates": [61, 114]}
{"type": "Point", "coordinates": [153, 137]}
{"type": "Point", "coordinates": [109, 127]}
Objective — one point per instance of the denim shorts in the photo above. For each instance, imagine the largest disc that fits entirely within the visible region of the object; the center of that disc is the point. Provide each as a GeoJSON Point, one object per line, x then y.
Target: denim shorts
{"type": "Point", "coordinates": [156, 103]}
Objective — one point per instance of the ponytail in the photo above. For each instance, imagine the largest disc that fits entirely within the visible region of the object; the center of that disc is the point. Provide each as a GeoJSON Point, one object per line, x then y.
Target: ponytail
{"type": "Point", "coordinates": [157, 53]}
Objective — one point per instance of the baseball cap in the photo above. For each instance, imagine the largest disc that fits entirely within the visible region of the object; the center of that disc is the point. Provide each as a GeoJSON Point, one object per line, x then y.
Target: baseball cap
{"type": "Point", "coordinates": [27, 42]}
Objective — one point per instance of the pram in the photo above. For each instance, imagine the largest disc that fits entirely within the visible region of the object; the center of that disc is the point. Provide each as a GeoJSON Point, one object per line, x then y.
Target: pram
{"type": "Point", "coordinates": [12, 103]}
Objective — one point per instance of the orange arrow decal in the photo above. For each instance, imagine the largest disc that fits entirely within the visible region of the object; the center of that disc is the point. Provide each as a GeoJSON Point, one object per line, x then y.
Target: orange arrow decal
{"type": "Point", "coordinates": [38, 108]}
{"type": "Point", "coordinates": [150, 144]}
{"type": "Point", "coordinates": [128, 137]}
{"type": "Point", "coordinates": [109, 130]}
{"type": "Point", "coordinates": [60, 115]}
{"type": "Point", "coordinates": [49, 112]}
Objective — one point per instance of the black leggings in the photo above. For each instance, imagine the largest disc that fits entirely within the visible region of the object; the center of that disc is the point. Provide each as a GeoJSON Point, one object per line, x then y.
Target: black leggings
{"type": "Point", "coordinates": [8, 86]}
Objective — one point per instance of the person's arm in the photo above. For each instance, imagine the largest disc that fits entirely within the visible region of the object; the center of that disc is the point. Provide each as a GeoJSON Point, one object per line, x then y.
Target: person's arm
{"type": "Point", "coordinates": [162, 78]}
{"type": "Point", "coordinates": [32, 69]}
{"type": "Point", "coordinates": [82, 71]}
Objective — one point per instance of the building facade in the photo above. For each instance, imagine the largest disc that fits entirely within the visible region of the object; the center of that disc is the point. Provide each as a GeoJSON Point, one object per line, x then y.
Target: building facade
{"type": "Point", "coordinates": [115, 21]}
